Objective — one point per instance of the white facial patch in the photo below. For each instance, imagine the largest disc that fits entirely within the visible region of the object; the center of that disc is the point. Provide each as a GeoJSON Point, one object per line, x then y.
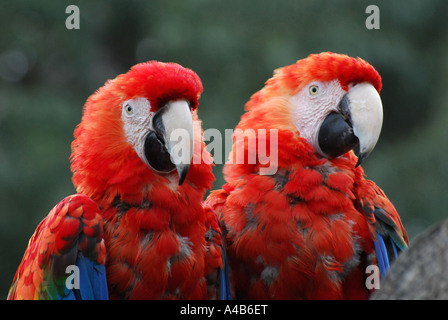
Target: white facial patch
{"type": "Point", "coordinates": [311, 106]}
{"type": "Point", "coordinates": [136, 117]}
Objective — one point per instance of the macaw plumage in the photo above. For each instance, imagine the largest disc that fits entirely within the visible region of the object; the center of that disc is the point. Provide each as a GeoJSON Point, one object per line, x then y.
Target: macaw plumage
{"type": "Point", "coordinates": [310, 229]}
{"type": "Point", "coordinates": [136, 229]}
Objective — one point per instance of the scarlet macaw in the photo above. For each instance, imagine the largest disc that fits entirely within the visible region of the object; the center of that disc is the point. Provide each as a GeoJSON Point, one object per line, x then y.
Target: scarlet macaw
{"type": "Point", "coordinates": [311, 229]}
{"type": "Point", "coordinates": [136, 229]}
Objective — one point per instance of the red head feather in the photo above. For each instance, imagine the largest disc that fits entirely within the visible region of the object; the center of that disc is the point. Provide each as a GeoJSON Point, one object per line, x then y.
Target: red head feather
{"type": "Point", "coordinates": [326, 66]}
{"type": "Point", "coordinates": [270, 108]}
{"type": "Point", "coordinates": [103, 162]}
{"type": "Point", "coordinates": [160, 82]}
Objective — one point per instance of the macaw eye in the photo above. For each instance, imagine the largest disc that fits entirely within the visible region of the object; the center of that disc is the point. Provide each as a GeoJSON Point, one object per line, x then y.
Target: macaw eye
{"type": "Point", "coordinates": [129, 109]}
{"type": "Point", "coordinates": [313, 90]}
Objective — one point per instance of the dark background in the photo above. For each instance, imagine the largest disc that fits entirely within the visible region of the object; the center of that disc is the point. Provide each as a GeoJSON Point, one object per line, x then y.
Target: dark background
{"type": "Point", "coordinates": [47, 72]}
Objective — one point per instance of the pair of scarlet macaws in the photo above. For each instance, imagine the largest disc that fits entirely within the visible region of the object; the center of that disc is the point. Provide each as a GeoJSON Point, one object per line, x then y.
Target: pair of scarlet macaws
{"type": "Point", "coordinates": [138, 227]}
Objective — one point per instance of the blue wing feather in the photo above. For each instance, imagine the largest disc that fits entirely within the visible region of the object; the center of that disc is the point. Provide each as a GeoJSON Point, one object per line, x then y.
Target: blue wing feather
{"type": "Point", "coordinates": [226, 290]}
{"type": "Point", "coordinates": [385, 256]}
{"type": "Point", "coordinates": [92, 281]}
{"type": "Point", "coordinates": [381, 253]}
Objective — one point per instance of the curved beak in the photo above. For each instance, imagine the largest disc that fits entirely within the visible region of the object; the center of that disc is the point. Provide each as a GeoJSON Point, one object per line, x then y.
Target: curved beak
{"type": "Point", "coordinates": [358, 122]}
{"type": "Point", "coordinates": [367, 117]}
{"type": "Point", "coordinates": [170, 146]}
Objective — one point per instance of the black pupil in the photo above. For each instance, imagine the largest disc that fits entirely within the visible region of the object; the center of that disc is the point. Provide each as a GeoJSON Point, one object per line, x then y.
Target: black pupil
{"type": "Point", "coordinates": [314, 89]}
{"type": "Point", "coordinates": [129, 108]}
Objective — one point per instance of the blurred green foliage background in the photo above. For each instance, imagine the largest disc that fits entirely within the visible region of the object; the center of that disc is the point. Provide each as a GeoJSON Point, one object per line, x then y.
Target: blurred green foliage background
{"type": "Point", "coordinates": [47, 72]}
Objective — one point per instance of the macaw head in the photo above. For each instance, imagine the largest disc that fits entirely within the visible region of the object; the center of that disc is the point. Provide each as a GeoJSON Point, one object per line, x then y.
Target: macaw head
{"type": "Point", "coordinates": [138, 128]}
{"type": "Point", "coordinates": [332, 101]}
